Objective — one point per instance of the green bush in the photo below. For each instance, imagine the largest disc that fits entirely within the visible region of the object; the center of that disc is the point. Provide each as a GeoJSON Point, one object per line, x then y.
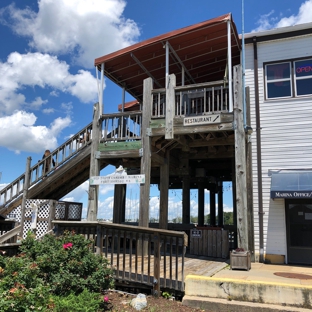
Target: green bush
{"type": "Point", "coordinates": [50, 272]}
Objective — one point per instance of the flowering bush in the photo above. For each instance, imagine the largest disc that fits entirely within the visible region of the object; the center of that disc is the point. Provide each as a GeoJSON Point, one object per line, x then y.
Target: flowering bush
{"type": "Point", "coordinates": [54, 267]}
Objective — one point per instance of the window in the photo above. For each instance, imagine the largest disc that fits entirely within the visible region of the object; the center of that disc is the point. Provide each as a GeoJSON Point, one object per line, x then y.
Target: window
{"type": "Point", "coordinates": [278, 80]}
{"type": "Point", "coordinates": [288, 79]}
{"type": "Point", "coordinates": [303, 77]}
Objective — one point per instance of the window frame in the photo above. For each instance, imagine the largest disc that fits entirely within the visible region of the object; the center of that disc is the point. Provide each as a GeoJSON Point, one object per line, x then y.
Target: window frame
{"type": "Point", "coordinates": [293, 79]}
{"type": "Point", "coordinates": [301, 78]}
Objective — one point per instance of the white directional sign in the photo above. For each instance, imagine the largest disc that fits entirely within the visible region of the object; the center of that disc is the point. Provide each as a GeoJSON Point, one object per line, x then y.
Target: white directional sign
{"type": "Point", "coordinates": [202, 120]}
{"type": "Point", "coordinates": [117, 179]}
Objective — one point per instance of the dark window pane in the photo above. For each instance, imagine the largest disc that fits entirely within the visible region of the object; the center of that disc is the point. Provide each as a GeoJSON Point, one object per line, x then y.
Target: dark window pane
{"type": "Point", "coordinates": [279, 89]}
{"type": "Point", "coordinates": [278, 71]}
{"type": "Point", "coordinates": [304, 86]}
{"type": "Point", "coordinates": [303, 68]}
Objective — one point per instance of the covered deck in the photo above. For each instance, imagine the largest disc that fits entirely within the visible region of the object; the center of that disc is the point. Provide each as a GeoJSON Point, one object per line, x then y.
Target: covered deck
{"type": "Point", "coordinates": [181, 129]}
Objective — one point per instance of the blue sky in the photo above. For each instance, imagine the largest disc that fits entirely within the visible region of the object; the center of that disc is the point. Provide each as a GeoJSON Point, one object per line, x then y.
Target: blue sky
{"type": "Point", "coordinates": [48, 84]}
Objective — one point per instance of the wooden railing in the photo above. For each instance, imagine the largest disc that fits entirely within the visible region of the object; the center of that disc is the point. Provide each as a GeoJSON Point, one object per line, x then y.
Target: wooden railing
{"type": "Point", "coordinates": [151, 257]}
{"type": "Point", "coordinates": [121, 126]}
{"type": "Point", "coordinates": [198, 99]}
{"type": "Point", "coordinates": [44, 167]}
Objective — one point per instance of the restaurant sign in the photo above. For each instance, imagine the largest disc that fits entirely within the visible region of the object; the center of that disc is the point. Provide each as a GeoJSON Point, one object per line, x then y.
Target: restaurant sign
{"type": "Point", "coordinates": [202, 120]}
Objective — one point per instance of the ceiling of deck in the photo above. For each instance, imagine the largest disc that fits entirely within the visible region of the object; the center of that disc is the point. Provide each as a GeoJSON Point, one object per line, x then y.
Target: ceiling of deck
{"type": "Point", "coordinates": [201, 49]}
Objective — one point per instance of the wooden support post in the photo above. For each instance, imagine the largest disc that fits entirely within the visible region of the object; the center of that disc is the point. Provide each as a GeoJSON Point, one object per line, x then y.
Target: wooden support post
{"type": "Point", "coordinates": [145, 161]}
{"type": "Point", "coordinates": [212, 196]}
{"type": "Point", "coordinates": [186, 218]}
{"type": "Point", "coordinates": [186, 185]}
{"type": "Point", "coordinates": [170, 102]}
{"type": "Point", "coordinates": [94, 165]}
{"type": "Point", "coordinates": [164, 187]}
{"type": "Point", "coordinates": [220, 203]}
{"type": "Point", "coordinates": [201, 204]}
{"type": "Point", "coordinates": [146, 158]}
{"type": "Point", "coordinates": [240, 162]}
{"type": "Point", "coordinates": [52, 204]}
{"type": "Point", "coordinates": [25, 193]}
{"type": "Point", "coordinates": [119, 203]}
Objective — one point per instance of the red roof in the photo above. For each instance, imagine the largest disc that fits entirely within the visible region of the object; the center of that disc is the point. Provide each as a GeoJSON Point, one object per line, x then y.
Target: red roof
{"type": "Point", "coordinates": [202, 48]}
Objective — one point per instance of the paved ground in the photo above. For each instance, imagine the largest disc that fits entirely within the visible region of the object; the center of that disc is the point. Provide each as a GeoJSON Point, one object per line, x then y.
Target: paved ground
{"type": "Point", "coordinates": [296, 275]}
{"type": "Point", "coordinates": [283, 276]}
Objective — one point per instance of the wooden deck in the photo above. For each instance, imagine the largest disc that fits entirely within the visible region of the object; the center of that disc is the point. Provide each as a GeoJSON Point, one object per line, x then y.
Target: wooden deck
{"type": "Point", "coordinates": [144, 271]}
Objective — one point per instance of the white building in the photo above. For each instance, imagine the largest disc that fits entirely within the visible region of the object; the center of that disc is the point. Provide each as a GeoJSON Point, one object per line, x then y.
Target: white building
{"type": "Point", "coordinates": [279, 75]}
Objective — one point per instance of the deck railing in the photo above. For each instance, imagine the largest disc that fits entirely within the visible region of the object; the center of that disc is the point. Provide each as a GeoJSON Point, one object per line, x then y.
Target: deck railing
{"type": "Point", "coordinates": [198, 99]}
{"type": "Point", "coordinates": [151, 257]}
{"type": "Point", "coordinates": [121, 126]}
{"type": "Point", "coordinates": [45, 167]}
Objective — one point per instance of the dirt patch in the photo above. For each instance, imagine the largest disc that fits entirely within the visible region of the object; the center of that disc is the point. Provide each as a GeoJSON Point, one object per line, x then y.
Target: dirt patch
{"type": "Point", "coordinates": [119, 301]}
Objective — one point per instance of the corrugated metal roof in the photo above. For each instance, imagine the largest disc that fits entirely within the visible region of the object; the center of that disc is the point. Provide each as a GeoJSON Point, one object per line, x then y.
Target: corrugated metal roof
{"type": "Point", "coordinates": [202, 49]}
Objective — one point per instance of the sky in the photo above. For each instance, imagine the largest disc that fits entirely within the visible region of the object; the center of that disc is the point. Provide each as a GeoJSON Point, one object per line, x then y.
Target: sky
{"type": "Point", "coordinates": [48, 82]}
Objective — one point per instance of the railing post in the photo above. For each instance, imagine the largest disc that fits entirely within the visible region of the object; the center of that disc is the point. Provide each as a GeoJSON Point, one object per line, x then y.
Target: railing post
{"type": "Point", "coordinates": [156, 282]}
{"type": "Point", "coordinates": [94, 165]}
{"type": "Point", "coordinates": [170, 105]}
{"type": "Point", "coordinates": [99, 240]}
{"type": "Point", "coordinates": [25, 193]}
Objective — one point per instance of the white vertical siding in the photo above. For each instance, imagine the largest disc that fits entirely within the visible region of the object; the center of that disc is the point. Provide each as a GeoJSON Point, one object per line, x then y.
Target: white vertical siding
{"type": "Point", "coordinates": [286, 136]}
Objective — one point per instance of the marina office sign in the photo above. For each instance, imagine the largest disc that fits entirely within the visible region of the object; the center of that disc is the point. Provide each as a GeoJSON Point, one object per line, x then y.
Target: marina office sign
{"type": "Point", "coordinates": [201, 120]}
{"type": "Point", "coordinates": [291, 194]}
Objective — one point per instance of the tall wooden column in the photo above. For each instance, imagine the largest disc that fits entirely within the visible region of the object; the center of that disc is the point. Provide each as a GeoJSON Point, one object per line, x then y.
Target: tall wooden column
{"type": "Point", "coordinates": [94, 164]}
{"type": "Point", "coordinates": [119, 210]}
{"type": "Point", "coordinates": [163, 194]}
{"type": "Point", "coordinates": [201, 204]}
{"type": "Point", "coordinates": [240, 162]}
{"type": "Point", "coordinates": [212, 195]}
{"type": "Point", "coordinates": [220, 203]}
{"type": "Point", "coordinates": [146, 157]}
{"type": "Point", "coordinates": [186, 214]}
{"type": "Point", "coordinates": [186, 185]}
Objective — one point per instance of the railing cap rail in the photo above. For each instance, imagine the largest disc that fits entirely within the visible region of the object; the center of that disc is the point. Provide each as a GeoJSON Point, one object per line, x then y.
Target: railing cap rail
{"type": "Point", "coordinates": [132, 228]}
{"type": "Point", "coordinates": [121, 114]}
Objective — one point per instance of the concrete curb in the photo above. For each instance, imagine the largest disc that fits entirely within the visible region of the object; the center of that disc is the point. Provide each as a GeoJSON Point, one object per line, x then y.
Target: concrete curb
{"type": "Point", "coordinates": [249, 291]}
{"type": "Point", "coordinates": [223, 305]}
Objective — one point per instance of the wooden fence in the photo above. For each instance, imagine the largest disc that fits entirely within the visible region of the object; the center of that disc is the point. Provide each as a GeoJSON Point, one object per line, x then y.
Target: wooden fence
{"type": "Point", "coordinates": [150, 257]}
{"type": "Point", "coordinates": [209, 242]}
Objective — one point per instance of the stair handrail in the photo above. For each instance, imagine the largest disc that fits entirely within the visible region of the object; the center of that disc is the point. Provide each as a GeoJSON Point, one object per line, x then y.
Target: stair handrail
{"type": "Point", "coordinates": [62, 154]}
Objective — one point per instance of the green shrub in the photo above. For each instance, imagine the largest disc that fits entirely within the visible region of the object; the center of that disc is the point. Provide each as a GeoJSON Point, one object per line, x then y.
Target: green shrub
{"type": "Point", "coordinates": [84, 302]}
{"type": "Point", "coordinates": [50, 272]}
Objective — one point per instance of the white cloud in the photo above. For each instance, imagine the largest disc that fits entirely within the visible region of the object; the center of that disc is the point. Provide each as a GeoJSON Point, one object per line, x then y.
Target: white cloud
{"type": "Point", "coordinates": [269, 21]}
{"type": "Point", "coordinates": [37, 103]}
{"type": "Point", "coordinates": [82, 28]}
{"type": "Point", "coordinates": [49, 73]}
{"type": "Point", "coordinates": [26, 135]}
{"type": "Point", "coordinates": [48, 110]}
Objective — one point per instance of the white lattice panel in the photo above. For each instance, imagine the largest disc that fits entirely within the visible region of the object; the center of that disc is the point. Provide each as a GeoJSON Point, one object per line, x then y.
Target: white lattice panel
{"type": "Point", "coordinates": [63, 211]}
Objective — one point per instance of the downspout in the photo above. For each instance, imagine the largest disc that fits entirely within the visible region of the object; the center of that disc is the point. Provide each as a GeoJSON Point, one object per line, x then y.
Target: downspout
{"type": "Point", "coordinates": [243, 67]}
{"type": "Point", "coordinates": [167, 63]}
{"type": "Point", "coordinates": [259, 161]}
{"type": "Point", "coordinates": [229, 52]}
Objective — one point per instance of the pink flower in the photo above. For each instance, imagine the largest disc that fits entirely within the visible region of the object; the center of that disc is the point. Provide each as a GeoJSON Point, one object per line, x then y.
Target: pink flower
{"type": "Point", "coordinates": [105, 299]}
{"type": "Point", "coordinates": [68, 245]}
